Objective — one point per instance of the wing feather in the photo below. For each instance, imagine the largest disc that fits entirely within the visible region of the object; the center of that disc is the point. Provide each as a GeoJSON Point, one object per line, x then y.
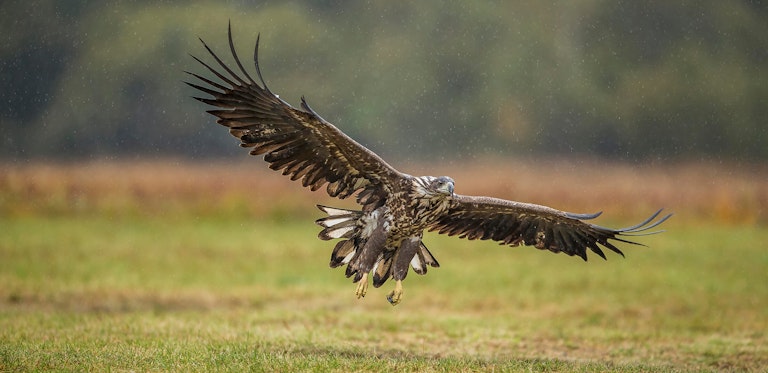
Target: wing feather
{"type": "Point", "coordinates": [514, 223]}
{"type": "Point", "coordinates": [297, 142]}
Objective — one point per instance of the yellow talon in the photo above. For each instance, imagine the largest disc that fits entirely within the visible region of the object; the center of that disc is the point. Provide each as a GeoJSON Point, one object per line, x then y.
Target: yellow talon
{"type": "Point", "coordinates": [395, 296]}
{"type": "Point", "coordinates": [362, 286]}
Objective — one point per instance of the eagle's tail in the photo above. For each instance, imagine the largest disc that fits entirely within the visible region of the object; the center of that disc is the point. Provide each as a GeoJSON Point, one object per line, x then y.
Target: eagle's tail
{"type": "Point", "coordinates": [340, 223]}
{"type": "Point", "coordinates": [420, 261]}
{"type": "Point", "coordinates": [346, 224]}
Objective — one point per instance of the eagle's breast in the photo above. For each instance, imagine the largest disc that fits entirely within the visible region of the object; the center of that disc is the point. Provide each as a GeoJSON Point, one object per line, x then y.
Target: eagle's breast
{"type": "Point", "coordinates": [413, 208]}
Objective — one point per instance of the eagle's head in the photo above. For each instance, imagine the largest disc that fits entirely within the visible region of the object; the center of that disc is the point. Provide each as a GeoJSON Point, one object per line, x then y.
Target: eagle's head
{"type": "Point", "coordinates": [431, 186]}
{"type": "Point", "coordinates": [443, 185]}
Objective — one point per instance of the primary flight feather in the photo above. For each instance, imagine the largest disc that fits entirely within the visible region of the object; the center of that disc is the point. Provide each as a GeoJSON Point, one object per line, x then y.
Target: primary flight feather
{"type": "Point", "coordinates": [384, 238]}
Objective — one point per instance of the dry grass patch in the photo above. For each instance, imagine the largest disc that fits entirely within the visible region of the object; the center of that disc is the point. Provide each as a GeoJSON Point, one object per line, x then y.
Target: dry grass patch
{"type": "Point", "coordinates": [724, 193]}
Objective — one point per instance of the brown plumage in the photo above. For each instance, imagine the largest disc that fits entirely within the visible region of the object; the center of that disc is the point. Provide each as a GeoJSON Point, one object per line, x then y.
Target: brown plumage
{"type": "Point", "coordinates": [384, 238]}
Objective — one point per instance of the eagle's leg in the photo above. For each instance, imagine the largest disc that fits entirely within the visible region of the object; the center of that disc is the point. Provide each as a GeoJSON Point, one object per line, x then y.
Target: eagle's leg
{"type": "Point", "coordinates": [362, 286]}
{"type": "Point", "coordinates": [395, 296]}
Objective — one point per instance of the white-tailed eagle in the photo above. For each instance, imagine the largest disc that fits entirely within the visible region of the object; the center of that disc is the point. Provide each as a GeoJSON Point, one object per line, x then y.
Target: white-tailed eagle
{"type": "Point", "coordinates": [384, 237]}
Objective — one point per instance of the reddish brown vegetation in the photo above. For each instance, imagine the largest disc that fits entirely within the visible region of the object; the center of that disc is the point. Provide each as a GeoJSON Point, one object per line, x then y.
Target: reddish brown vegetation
{"type": "Point", "coordinates": [720, 192]}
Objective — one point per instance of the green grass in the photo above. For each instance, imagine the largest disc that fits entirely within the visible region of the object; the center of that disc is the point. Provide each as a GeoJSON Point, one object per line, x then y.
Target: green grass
{"type": "Point", "coordinates": [98, 292]}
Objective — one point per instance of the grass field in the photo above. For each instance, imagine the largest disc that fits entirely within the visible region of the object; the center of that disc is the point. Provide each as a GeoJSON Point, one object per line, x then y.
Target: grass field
{"type": "Point", "coordinates": [182, 267]}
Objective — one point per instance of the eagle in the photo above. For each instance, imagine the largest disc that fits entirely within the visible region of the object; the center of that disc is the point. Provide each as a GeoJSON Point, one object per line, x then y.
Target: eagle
{"type": "Point", "coordinates": [384, 238]}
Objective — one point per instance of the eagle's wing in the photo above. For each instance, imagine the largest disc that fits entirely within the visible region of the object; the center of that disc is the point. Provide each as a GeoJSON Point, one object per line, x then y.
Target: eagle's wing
{"type": "Point", "coordinates": [514, 223]}
{"type": "Point", "coordinates": [299, 142]}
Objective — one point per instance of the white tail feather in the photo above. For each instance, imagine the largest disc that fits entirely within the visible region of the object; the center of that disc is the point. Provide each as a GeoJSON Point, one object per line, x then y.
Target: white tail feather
{"type": "Point", "coordinates": [349, 257]}
{"type": "Point", "coordinates": [332, 211]}
{"type": "Point", "coordinates": [330, 222]}
{"type": "Point", "coordinates": [338, 232]}
{"type": "Point", "coordinates": [416, 263]}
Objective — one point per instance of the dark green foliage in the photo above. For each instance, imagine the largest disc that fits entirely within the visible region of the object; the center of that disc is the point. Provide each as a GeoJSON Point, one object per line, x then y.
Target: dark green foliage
{"type": "Point", "coordinates": [620, 79]}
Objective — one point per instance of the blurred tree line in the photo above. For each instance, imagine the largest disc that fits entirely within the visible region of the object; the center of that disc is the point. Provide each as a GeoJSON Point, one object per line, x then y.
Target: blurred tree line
{"type": "Point", "coordinates": [622, 79]}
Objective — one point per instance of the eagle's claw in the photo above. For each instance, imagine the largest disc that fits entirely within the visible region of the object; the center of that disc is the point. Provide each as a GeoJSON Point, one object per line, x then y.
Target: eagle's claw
{"type": "Point", "coordinates": [396, 295]}
{"type": "Point", "coordinates": [362, 286]}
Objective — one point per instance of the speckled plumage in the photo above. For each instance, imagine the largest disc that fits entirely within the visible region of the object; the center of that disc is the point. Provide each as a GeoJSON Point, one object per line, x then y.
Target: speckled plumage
{"type": "Point", "coordinates": [384, 237]}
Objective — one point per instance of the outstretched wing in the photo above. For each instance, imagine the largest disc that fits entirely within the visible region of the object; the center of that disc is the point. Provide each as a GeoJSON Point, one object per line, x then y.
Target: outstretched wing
{"type": "Point", "coordinates": [514, 223]}
{"type": "Point", "coordinates": [299, 142]}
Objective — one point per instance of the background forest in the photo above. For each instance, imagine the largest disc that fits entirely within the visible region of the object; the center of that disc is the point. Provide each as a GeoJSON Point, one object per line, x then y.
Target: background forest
{"type": "Point", "coordinates": [621, 79]}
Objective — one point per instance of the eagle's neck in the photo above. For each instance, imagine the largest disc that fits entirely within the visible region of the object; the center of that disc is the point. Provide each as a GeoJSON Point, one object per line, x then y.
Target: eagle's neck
{"type": "Point", "coordinates": [427, 202]}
